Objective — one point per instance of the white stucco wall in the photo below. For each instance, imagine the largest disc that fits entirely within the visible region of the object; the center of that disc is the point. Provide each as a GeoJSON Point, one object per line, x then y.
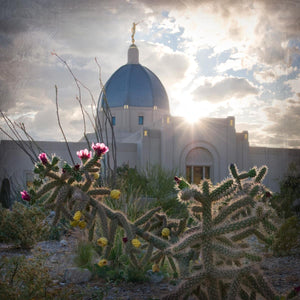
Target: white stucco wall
{"type": "Point", "coordinates": [14, 163]}
{"type": "Point", "coordinates": [277, 160]}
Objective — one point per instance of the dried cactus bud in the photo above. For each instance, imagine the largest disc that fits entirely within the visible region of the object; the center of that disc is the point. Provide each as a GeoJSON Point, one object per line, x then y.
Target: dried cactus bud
{"type": "Point", "coordinates": [102, 241]}
{"type": "Point", "coordinates": [136, 243]}
{"type": "Point", "coordinates": [155, 268]}
{"type": "Point", "coordinates": [74, 223]}
{"type": "Point", "coordinates": [77, 216]}
{"type": "Point", "coordinates": [115, 194]}
{"type": "Point", "coordinates": [102, 263]}
{"type": "Point", "coordinates": [82, 224]}
{"type": "Point", "coordinates": [165, 232]}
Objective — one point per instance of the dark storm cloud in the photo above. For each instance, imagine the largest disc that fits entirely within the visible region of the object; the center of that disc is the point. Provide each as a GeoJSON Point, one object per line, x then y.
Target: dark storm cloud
{"type": "Point", "coordinates": [7, 96]}
{"type": "Point", "coordinates": [224, 89]}
{"type": "Point", "coordinates": [285, 122]}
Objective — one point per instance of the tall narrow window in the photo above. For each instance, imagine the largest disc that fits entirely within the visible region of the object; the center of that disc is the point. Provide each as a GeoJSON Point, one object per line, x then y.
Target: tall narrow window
{"type": "Point", "coordinates": [194, 174]}
{"type": "Point", "coordinates": [113, 120]}
{"type": "Point", "coordinates": [141, 120]}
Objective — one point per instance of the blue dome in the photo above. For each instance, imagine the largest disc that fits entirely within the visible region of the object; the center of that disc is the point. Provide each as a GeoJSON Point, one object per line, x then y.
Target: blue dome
{"type": "Point", "coordinates": [135, 85]}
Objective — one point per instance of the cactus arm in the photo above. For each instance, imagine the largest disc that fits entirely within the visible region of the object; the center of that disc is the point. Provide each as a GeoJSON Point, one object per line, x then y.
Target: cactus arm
{"type": "Point", "coordinates": [157, 256]}
{"type": "Point", "coordinates": [235, 226]}
{"type": "Point", "coordinates": [227, 252]}
{"type": "Point", "coordinates": [186, 286]}
{"type": "Point", "coordinates": [46, 188]}
{"type": "Point", "coordinates": [181, 227]}
{"type": "Point", "coordinates": [224, 240]}
{"type": "Point", "coordinates": [261, 174]}
{"type": "Point", "coordinates": [103, 219]}
{"type": "Point", "coordinates": [52, 197]}
{"type": "Point", "coordinates": [99, 192]}
{"type": "Point", "coordinates": [147, 255]}
{"type": "Point", "coordinates": [187, 241]}
{"type": "Point", "coordinates": [147, 216]}
{"type": "Point", "coordinates": [265, 289]}
{"type": "Point", "coordinates": [172, 264]}
{"type": "Point", "coordinates": [268, 226]}
{"type": "Point", "coordinates": [242, 235]}
{"type": "Point", "coordinates": [232, 208]}
{"type": "Point", "coordinates": [153, 239]}
{"type": "Point", "coordinates": [222, 189]}
{"type": "Point", "coordinates": [113, 225]}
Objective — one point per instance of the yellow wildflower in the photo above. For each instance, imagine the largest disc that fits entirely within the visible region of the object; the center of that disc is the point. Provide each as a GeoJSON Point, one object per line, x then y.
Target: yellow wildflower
{"type": "Point", "coordinates": [77, 215]}
{"type": "Point", "coordinates": [102, 263]}
{"type": "Point", "coordinates": [82, 224]}
{"type": "Point", "coordinates": [155, 268]}
{"type": "Point", "coordinates": [165, 232]}
{"type": "Point", "coordinates": [74, 223]}
{"type": "Point", "coordinates": [96, 176]}
{"type": "Point", "coordinates": [115, 194]}
{"type": "Point", "coordinates": [136, 243]}
{"type": "Point", "coordinates": [102, 241]}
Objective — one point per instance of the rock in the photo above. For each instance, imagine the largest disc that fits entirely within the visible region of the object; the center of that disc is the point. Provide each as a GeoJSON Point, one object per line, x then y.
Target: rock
{"type": "Point", "coordinates": [155, 277]}
{"type": "Point", "coordinates": [63, 243]}
{"type": "Point", "coordinates": [77, 275]}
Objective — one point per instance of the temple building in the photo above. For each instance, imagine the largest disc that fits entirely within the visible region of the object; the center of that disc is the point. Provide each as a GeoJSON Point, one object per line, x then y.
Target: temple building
{"type": "Point", "coordinates": [147, 134]}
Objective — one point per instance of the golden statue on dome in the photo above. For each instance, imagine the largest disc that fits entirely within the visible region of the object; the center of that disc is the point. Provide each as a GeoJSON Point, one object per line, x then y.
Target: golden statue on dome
{"type": "Point", "coordinates": [133, 31]}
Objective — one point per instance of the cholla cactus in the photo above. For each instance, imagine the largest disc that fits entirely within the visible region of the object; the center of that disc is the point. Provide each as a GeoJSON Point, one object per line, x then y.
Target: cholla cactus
{"type": "Point", "coordinates": [224, 216]}
{"type": "Point", "coordinates": [229, 213]}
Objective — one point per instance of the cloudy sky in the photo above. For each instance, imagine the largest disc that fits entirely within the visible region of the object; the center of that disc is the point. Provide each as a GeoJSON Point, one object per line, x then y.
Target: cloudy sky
{"type": "Point", "coordinates": [217, 58]}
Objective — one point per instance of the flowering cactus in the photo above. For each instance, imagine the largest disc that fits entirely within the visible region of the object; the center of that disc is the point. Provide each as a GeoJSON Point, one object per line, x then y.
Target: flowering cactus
{"type": "Point", "coordinates": [100, 148]}
{"type": "Point", "coordinates": [224, 215]}
{"type": "Point", "coordinates": [25, 196]}
{"type": "Point", "coordinates": [43, 158]}
{"type": "Point", "coordinates": [84, 155]}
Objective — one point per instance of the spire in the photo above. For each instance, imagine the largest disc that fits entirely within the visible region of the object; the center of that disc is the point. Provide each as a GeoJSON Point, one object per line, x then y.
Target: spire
{"type": "Point", "coordinates": [133, 52]}
{"type": "Point", "coordinates": [133, 55]}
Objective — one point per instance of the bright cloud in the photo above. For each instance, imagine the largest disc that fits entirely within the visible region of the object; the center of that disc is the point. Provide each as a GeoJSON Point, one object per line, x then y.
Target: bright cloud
{"type": "Point", "coordinates": [249, 65]}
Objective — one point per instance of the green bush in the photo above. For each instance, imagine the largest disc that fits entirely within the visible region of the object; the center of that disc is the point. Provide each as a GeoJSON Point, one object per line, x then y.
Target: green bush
{"type": "Point", "coordinates": [84, 254]}
{"type": "Point", "coordinates": [287, 238]}
{"type": "Point", "coordinates": [289, 192]}
{"type": "Point", "coordinates": [23, 225]}
{"type": "Point", "coordinates": [23, 278]}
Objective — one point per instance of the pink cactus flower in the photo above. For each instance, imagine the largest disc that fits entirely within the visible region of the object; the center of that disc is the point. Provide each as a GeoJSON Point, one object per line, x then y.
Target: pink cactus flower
{"type": "Point", "coordinates": [100, 148]}
{"type": "Point", "coordinates": [43, 158]}
{"type": "Point", "coordinates": [125, 240]}
{"type": "Point", "coordinates": [84, 154]}
{"type": "Point", "coordinates": [25, 195]}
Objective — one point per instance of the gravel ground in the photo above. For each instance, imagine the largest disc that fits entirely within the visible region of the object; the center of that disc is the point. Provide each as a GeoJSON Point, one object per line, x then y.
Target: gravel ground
{"type": "Point", "coordinates": [282, 272]}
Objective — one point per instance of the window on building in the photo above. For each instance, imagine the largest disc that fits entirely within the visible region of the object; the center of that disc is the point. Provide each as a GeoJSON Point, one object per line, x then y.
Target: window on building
{"type": "Point", "coordinates": [113, 120]}
{"type": "Point", "coordinates": [194, 174]}
{"type": "Point", "coordinates": [141, 120]}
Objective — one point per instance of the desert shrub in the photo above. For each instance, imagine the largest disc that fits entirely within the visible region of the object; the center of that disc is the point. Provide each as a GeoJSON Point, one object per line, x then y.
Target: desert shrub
{"type": "Point", "coordinates": [153, 182]}
{"type": "Point", "coordinates": [84, 254]}
{"type": "Point", "coordinates": [129, 179]}
{"type": "Point", "coordinates": [23, 225]}
{"type": "Point", "coordinates": [287, 238]}
{"type": "Point", "coordinates": [23, 278]}
{"type": "Point", "coordinates": [289, 192]}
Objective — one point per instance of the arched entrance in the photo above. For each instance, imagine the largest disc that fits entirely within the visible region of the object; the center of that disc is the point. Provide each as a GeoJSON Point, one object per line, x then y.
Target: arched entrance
{"type": "Point", "coordinates": [199, 165]}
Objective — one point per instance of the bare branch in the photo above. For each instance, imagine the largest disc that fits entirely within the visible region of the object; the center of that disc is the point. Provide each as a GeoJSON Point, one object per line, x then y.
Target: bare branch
{"type": "Point", "coordinates": [59, 124]}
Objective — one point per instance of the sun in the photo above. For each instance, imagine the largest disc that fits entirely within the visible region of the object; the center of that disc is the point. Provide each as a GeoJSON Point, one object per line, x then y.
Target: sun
{"type": "Point", "coordinates": [193, 111]}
